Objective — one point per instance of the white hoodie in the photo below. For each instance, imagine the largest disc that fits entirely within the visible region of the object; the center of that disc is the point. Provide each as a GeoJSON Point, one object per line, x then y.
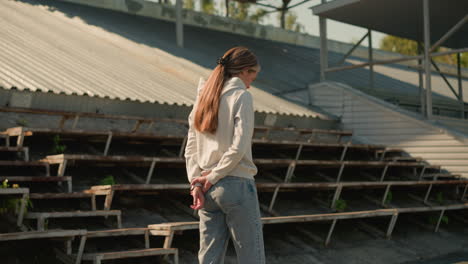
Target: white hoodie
{"type": "Point", "coordinates": [229, 150]}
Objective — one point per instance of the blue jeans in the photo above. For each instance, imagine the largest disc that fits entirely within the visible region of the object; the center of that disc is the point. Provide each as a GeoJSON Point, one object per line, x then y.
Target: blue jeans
{"type": "Point", "coordinates": [231, 210]}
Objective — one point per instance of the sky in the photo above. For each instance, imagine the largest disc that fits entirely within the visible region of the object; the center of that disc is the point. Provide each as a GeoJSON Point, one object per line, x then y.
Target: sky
{"type": "Point", "coordinates": [336, 30]}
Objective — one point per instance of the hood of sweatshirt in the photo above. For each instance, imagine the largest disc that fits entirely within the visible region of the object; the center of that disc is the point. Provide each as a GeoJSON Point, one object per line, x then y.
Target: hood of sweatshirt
{"type": "Point", "coordinates": [233, 83]}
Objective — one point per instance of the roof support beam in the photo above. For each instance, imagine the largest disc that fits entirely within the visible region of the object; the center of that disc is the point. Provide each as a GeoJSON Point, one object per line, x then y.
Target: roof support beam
{"type": "Point", "coordinates": [352, 49]}
{"type": "Point", "coordinates": [445, 79]}
{"type": "Point", "coordinates": [437, 54]}
{"type": "Point", "coordinates": [382, 62]}
{"type": "Point", "coordinates": [350, 67]}
{"type": "Point", "coordinates": [324, 7]}
{"type": "Point", "coordinates": [449, 33]}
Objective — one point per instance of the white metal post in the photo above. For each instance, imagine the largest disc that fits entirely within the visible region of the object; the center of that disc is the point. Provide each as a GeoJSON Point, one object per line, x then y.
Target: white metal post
{"type": "Point", "coordinates": [371, 59]}
{"type": "Point", "coordinates": [323, 46]}
{"type": "Point", "coordinates": [422, 94]}
{"type": "Point", "coordinates": [427, 59]}
{"type": "Point", "coordinates": [460, 87]}
{"type": "Point", "coordinates": [179, 24]}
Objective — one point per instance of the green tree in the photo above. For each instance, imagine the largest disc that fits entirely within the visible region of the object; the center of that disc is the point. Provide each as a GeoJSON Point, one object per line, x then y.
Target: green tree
{"type": "Point", "coordinates": [399, 45]}
{"type": "Point", "coordinates": [291, 22]}
{"type": "Point", "coordinates": [258, 16]}
{"type": "Point", "coordinates": [189, 4]}
{"type": "Point", "coordinates": [208, 6]}
{"type": "Point", "coordinates": [242, 11]}
{"type": "Point", "coordinates": [239, 11]}
{"type": "Point", "coordinates": [410, 47]}
{"type": "Point", "coordinates": [464, 59]}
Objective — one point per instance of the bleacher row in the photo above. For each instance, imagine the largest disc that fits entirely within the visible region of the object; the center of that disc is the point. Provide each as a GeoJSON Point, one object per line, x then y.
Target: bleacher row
{"type": "Point", "coordinates": [305, 175]}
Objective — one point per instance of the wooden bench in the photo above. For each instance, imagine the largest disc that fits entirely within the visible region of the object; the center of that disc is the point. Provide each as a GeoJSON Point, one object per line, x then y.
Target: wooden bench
{"type": "Point", "coordinates": [341, 165]}
{"type": "Point", "coordinates": [43, 216]}
{"type": "Point", "coordinates": [301, 147]}
{"type": "Point", "coordinates": [174, 227]}
{"type": "Point", "coordinates": [105, 136]}
{"type": "Point", "coordinates": [24, 150]}
{"type": "Point", "coordinates": [381, 154]}
{"type": "Point", "coordinates": [26, 164]}
{"type": "Point", "coordinates": [339, 187]}
{"type": "Point", "coordinates": [180, 141]}
{"type": "Point", "coordinates": [24, 193]}
{"type": "Point", "coordinates": [149, 122]}
{"type": "Point", "coordinates": [33, 179]}
{"type": "Point", "coordinates": [97, 257]}
{"type": "Point", "coordinates": [68, 235]}
{"type": "Point", "coordinates": [151, 162]}
{"type": "Point", "coordinates": [109, 190]}
{"type": "Point", "coordinates": [60, 196]}
{"type": "Point", "coordinates": [266, 130]}
{"type": "Point", "coordinates": [75, 117]}
{"type": "Point", "coordinates": [291, 164]}
{"type": "Point", "coordinates": [441, 208]}
{"type": "Point", "coordinates": [177, 227]}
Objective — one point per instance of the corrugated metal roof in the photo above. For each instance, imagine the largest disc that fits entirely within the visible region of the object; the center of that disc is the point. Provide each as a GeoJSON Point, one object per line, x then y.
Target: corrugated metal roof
{"type": "Point", "coordinates": [46, 50]}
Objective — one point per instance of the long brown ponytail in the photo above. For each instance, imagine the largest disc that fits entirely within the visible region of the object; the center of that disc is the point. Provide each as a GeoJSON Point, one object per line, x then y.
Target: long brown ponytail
{"type": "Point", "coordinates": [231, 63]}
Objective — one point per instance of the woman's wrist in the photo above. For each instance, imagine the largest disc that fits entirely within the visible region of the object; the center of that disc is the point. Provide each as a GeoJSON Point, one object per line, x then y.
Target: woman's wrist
{"type": "Point", "coordinates": [192, 187]}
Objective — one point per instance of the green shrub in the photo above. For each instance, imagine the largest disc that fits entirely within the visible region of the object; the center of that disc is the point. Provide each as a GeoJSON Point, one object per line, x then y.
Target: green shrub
{"type": "Point", "coordinates": [10, 204]}
{"type": "Point", "coordinates": [5, 184]}
{"type": "Point", "coordinates": [440, 198]}
{"type": "Point", "coordinates": [22, 122]}
{"type": "Point", "coordinates": [108, 180]}
{"type": "Point", "coordinates": [433, 220]}
{"type": "Point", "coordinates": [389, 197]}
{"type": "Point", "coordinates": [340, 205]}
{"type": "Point", "coordinates": [57, 147]}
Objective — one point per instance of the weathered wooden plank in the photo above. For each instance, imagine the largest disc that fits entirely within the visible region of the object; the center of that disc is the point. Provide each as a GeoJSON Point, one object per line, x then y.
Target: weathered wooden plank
{"type": "Point", "coordinates": [76, 195]}
{"type": "Point", "coordinates": [117, 232]}
{"type": "Point", "coordinates": [13, 191]}
{"type": "Point", "coordinates": [12, 149]}
{"type": "Point", "coordinates": [130, 253]}
{"type": "Point", "coordinates": [36, 178]}
{"type": "Point", "coordinates": [36, 215]}
{"type": "Point", "coordinates": [56, 159]}
{"type": "Point", "coordinates": [272, 186]}
{"type": "Point", "coordinates": [324, 217]}
{"type": "Point", "coordinates": [433, 208]}
{"type": "Point", "coordinates": [20, 163]}
{"type": "Point", "coordinates": [285, 219]}
{"type": "Point", "coordinates": [42, 234]}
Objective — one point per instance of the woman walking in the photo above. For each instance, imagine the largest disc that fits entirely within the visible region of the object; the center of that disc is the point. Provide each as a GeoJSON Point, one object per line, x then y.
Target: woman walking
{"type": "Point", "coordinates": [219, 161]}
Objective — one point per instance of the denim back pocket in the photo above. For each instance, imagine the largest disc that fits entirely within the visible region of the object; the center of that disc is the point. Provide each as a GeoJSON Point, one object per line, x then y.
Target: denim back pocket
{"type": "Point", "coordinates": [229, 191]}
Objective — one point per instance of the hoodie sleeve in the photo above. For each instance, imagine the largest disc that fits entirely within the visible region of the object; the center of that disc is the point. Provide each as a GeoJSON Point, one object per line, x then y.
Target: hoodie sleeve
{"type": "Point", "coordinates": [242, 138]}
{"type": "Point", "coordinates": [191, 152]}
{"type": "Point", "coordinates": [191, 156]}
